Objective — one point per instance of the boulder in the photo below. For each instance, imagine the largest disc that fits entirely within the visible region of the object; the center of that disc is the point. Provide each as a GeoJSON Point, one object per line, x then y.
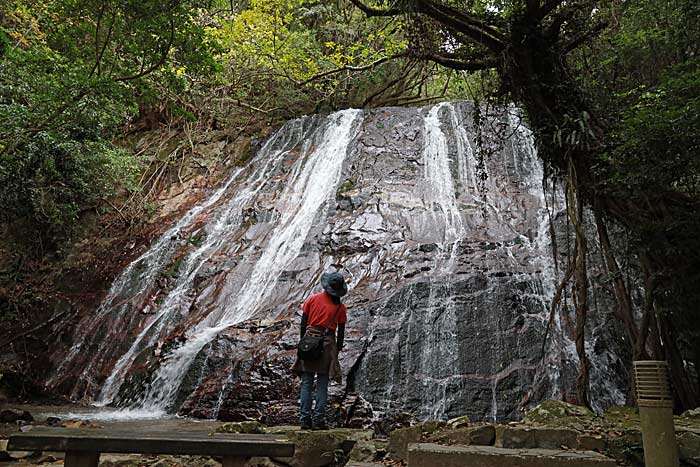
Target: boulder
{"type": "Point", "coordinates": [401, 438]}
{"type": "Point", "coordinates": [622, 415]}
{"type": "Point", "coordinates": [53, 421]}
{"type": "Point", "coordinates": [552, 412]}
{"type": "Point", "coordinates": [20, 455]}
{"type": "Point", "coordinates": [694, 413]}
{"type": "Point", "coordinates": [364, 451]}
{"type": "Point", "coordinates": [591, 443]}
{"type": "Point", "coordinates": [459, 422]}
{"type": "Point", "coordinates": [555, 438]}
{"type": "Point", "coordinates": [689, 447]}
{"type": "Point", "coordinates": [512, 437]}
{"type": "Point", "coordinates": [248, 427]}
{"type": "Point", "coordinates": [627, 448]}
{"type": "Point", "coordinates": [79, 424]}
{"type": "Point", "coordinates": [12, 416]}
{"type": "Point", "coordinates": [432, 426]}
{"type": "Point", "coordinates": [322, 448]}
{"type": "Point", "coordinates": [482, 435]}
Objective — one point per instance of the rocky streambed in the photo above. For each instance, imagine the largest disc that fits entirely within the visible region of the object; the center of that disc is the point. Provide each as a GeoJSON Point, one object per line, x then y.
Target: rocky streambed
{"type": "Point", "coordinates": [552, 425]}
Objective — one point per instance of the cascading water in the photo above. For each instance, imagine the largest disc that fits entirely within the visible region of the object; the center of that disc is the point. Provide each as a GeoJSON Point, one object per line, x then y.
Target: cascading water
{"type": "Point", "coordinates": [440, 338]}
{"type": "Point", "coordinates": [447, 251]}
{"type": "Point", "coordinates": [314, 179]}
{"type": "Point", "coordinates": [134, 288]}
{"type": "Point", "coordinates": [169, 309]}
{"type": "Point", "coordinates": [317, 170]}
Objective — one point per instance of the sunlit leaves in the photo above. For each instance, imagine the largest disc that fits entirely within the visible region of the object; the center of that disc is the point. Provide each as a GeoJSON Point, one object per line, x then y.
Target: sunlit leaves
{"type": "Point", "coordinates": [294, 41]}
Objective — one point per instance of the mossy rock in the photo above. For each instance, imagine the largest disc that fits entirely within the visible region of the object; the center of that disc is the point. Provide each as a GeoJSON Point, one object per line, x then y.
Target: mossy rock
{"type": "Point", "coordinates": [346, 186]}
{"type": "Point", "coordinates": [622, 418]}
{"type": "Point", "coordinates": [552, 412]}
{"type": "Point", "coordinates": [481, 435]}
{"type": "Point", "coordinates": [367, 451]}
{"type": "Point", "coordinates": [689, 447]}
{"type": "Point", "coordinates": [432, 426]}
{"type": "Point", "coordinates": [627, 448]}
{"type": "Point", "coordinates": [459, 422]}
{"type": "Point", "coordinates": [247, 427]}
{"type": "Point", "coordinates": [321, 448]}
{"type": "Point", "coordinates": [401, 438]}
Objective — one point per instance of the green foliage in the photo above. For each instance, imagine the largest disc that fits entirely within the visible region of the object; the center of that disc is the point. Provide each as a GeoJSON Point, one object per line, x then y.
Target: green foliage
{"type": "Point", "coordinates": [72, 72]}
{"type": "Point", "coordinates": [300, 56]}
{"type": "Point", "coordinates": [645, 76]}
{"type": "Point", "coordinates": [660, 137]}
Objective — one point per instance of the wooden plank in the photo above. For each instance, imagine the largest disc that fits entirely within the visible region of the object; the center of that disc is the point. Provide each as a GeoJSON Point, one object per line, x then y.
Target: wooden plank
{"type": "Point", "coordinates": [81, 459]}
{"type": "Point", "coordinates": [95, 440]}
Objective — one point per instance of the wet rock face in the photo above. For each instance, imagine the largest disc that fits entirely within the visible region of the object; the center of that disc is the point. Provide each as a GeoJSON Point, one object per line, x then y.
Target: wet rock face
{"type": "Point", "coordinates": [446, 249]}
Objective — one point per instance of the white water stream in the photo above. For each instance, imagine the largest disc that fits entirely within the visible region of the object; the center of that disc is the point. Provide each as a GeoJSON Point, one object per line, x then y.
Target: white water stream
{"type": "Point", "coordinates": [314, 179]}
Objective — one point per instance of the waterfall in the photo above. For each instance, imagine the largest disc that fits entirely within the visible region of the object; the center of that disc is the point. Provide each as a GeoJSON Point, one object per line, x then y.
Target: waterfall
{"type": "Point", "coordinates": [451, 274]}
{"type": "Point", "coordinates": [169, 309]}
{"type": "Point", "coordinates": [137, 278]}
{"type": "Point", "coordinates": [314, 179]}
{"type": "Point", "coordinates": [440, 185]}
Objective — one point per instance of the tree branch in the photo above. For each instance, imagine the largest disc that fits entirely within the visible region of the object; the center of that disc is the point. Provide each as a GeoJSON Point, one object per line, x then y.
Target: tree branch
{"type": "Point", "coordinates": [533, 7]}
{"type": "Point", "coordinates": [351, 68]}
{"type": "Point", "coordinates": [576, 41]}
{"type": "Point", "coordinates": [567, 14]}
{"type": "Point", "coordinates": [460, 64]}
{"type": "Point", "coordinates": [159, 63]}
{"type": "Point", "coordinates": [468, 25]}
{"type": "Point", "coordinates": [446, 15]}
{"type": "Point", "coordinates": [547, 8]}
{"type": "Point", "coordinates": [100, 55]}
{"type": "Point", "coordinates": [370, 11]}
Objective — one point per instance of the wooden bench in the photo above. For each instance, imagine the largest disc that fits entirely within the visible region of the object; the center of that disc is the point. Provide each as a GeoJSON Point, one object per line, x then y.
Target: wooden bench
{"type": "Point", "coordinates": [83, 446]}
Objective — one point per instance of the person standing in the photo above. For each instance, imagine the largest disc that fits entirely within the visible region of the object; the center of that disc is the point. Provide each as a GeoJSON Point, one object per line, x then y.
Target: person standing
{"type": "Point", "coordinates": [323, 315]}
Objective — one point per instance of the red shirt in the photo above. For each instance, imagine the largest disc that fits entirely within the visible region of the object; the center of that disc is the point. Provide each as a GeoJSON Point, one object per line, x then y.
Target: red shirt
{"type": "Point", "coordinates": [320, 310]}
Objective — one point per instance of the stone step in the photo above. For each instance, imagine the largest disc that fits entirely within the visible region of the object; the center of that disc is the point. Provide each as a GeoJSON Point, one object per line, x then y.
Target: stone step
{"type": "Point", "coordinates": [431, 455]}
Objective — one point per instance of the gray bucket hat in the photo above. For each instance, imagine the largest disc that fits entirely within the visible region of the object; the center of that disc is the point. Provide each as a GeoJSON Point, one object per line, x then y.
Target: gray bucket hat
{"type": "Point", "coordinates": [334, 283]}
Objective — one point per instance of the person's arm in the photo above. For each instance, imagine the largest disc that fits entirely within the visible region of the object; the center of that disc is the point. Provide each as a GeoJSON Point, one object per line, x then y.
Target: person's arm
{"type": "Point", "coordinates": [341, 336]}
{"type": "Point", "coordinates": [304, 322]}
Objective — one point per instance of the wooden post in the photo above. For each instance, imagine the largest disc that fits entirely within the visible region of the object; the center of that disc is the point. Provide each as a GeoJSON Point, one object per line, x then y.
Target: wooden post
{"type": "Point", "coordinates": [81, 459]}
{"type": "Point", "coordinates": [229, 461]}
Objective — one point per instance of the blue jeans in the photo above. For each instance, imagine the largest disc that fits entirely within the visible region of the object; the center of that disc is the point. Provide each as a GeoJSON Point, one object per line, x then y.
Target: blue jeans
{"type": "Point", "coordinates": [307, 382]}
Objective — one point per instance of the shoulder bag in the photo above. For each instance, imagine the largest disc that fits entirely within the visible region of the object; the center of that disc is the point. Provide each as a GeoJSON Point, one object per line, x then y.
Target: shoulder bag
{"type": "Point", "coordinates": [310, 347]}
